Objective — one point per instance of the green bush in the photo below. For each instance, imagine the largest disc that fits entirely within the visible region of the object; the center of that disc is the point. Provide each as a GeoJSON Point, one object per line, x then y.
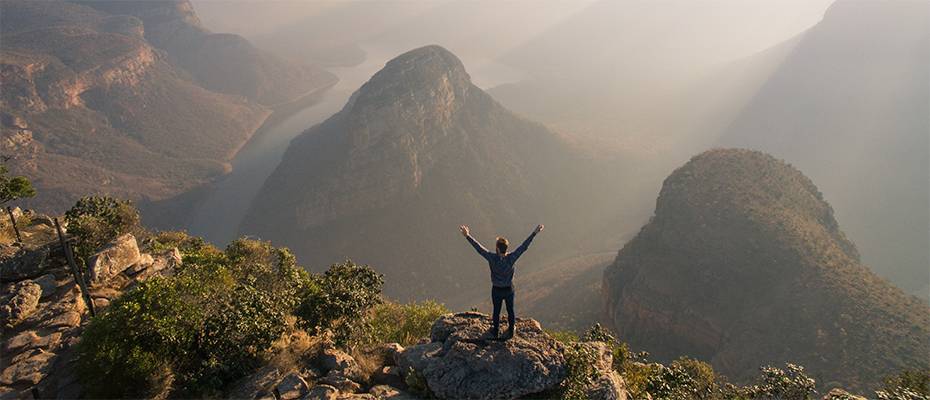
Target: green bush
{"type": "Point", "coordinates": [402, 323]}
{"type": "Point", "coordinates": [143, 334]}
{"type": "Point", "coordinates": [790, 383]}
{"type": "Point", "coordinates": [95, 221]}
{"type": "Point", "coordinates": [345, 294]}
{"type": "Point", "coordinates": [579, 362]}
{"type": "Point", "coordinates": [687, 378]}
{"type": "Point", "coordinates": [201, 328]}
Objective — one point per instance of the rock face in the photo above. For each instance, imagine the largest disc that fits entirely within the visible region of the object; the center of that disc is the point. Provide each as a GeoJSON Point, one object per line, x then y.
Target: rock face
{"type": "Point", "coordinates": [220, 62]}
{"type": "Point", "coordinates": [458, 363]}
{"type": "Point", "coordinates": [92, 103]}
{"type": "Point", "coordinates": [744, 265]}
{"type": "Point", "coordinates": [417, 149]}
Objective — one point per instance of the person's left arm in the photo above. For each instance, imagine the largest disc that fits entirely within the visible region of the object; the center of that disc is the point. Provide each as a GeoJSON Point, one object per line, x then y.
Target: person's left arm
{"type": "Point", "coordinates": [526, 243]}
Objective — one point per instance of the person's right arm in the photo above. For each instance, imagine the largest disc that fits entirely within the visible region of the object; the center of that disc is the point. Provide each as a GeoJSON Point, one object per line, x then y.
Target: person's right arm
{"type": "Point", "coordinates": [474, 243]}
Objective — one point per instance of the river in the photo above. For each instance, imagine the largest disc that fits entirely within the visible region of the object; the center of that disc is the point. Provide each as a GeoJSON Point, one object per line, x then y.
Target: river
{"type": "Point", "coordinates": [220, 211]}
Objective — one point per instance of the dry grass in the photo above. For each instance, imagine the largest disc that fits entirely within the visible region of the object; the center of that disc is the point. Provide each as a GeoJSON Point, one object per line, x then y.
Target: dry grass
{"type": "Point", "coordinates": [370, 360]}
{"type": "Point", "coordinates": [294, 346]}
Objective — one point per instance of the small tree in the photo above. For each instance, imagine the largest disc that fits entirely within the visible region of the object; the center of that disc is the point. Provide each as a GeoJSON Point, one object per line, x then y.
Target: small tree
{"type": "Point", "coordinates": [13, 188]}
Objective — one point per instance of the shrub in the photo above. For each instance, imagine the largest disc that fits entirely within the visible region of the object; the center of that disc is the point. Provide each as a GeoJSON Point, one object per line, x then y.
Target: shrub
{"type": "Point", "coordinates": [579, 362]}
{"type": "Point", "coordinates": [686, 378]}
{"type": "Point", "coordinates": [206, 326]}
{"type": "Point", "coordinates": [143, 334]}
{"type": "Point", "coordinates": [402, 323]}
{"type": "Point", "coordinates": [790, 383]}
{"type": "Point", "coordinates": [95, 221]}
{"type": "Point", "coordinates": [343, 297]}
{"type": "Point", "coordinates": [186, 244]}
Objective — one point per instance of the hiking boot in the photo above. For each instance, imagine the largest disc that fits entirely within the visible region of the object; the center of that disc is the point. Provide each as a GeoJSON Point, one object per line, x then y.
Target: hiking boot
{"type": "Point", "coordinates": [510, 333]}
{"type": "Point", "coordinates": [491, 334]}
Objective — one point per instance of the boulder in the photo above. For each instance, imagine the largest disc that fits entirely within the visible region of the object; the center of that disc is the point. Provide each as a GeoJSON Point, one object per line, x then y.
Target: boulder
{"type": "Point", "coordinates": [116, 257]}
{"type": "Point", "coordinates": [22, 303]}
{"type": "Point", "coordinates": [48, 283]}
{"type": "Point", "coordinates": [389, 352]}
{"type": "Point", "coordinates": [29, 371]}
{"type": "Point", "coordinates": [460, 362]}
{"type": "Point", "coordinates": [258, 384]}
{"type": "Point", "coordinates": [389, 375]}
{"type": "Point", "coordinates": [29, 340]}
{"type": "Point", "coordinates": [385, 392]}
{"type": "Point", "coordinates": [608, 384]}
{"type": "Point", "coordinates": [145, 261]}
{"type": "Point", "coordinates": [335, 359]}
{"type": "Point", "coordinates": [356, 396]}
{"type": "Point", "coordinates": [293, 386]}
{"type": "Point", "coordinates": [339, 380]}
{"type": "Point", "coordinates": [322, 392]}
{"type": "Point", "coordinates": [24, 264]}
{"type": "Point", "coordinates": [42, 220]}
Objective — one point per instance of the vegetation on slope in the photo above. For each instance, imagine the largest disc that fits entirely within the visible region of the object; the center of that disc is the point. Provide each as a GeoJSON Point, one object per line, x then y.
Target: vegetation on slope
{"type": "Point", "coordinates": [744, 264]}
{"type": "Point", "coordinates": [222, 315]}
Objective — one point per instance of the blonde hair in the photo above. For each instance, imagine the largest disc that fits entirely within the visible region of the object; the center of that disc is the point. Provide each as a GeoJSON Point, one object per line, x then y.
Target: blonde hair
{"type": "Point", "coordinates": [502, 244]}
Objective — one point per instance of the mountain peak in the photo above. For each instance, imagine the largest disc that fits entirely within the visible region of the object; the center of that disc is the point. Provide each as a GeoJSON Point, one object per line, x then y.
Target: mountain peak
{"type": "Point", "coordinates": [742, 250]}
{"type": "Point", "coordinates": [424, 75]}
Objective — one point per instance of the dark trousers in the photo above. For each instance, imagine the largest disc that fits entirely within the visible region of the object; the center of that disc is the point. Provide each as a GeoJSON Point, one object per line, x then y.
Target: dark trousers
{"type": "Point", "coordinates": [499, 295]}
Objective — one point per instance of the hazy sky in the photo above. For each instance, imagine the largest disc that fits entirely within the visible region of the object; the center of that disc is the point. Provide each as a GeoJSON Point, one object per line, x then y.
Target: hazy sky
{"type": "Point", "coordinates": [484, 28]}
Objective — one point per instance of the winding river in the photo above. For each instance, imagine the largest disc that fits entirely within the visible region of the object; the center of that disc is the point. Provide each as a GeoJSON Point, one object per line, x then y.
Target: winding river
{"type": "Point", "coordinates": [218, 214]}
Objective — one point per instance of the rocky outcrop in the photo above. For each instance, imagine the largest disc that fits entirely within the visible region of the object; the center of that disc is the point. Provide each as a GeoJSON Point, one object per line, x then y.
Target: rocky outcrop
{"type": "Point", "coordinates": [19, 303]}
{"type": "Point", "coordinates": [119, 255]}
{"type": "Point", "coordinates": [460, 362]}
{"type": "Point", "coordinates": [24, 263]}
{"type": "Point", "coordinates": [744, 265]}
{"type": "Point", "coordinates": [43, 310]}
{"type": "Point", "coordinates": [457, 361]}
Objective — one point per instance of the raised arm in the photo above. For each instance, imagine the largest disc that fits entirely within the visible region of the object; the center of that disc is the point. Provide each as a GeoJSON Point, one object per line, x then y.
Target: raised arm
{"type": "Point", "coordinates": [526, 243]}
{"type": "Point", "coordinates": [474, 243]}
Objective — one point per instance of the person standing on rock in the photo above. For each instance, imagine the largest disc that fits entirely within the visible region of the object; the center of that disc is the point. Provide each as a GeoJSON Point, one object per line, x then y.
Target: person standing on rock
{"type": "Point", "coordinates": [501, 263]}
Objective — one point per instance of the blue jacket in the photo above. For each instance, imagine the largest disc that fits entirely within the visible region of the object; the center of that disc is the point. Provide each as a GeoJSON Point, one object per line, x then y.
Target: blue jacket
{"type": "Point", "coordinates": [501, 266]}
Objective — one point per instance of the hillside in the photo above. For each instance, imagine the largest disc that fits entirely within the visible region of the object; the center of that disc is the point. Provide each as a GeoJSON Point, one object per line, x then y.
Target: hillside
{"type": "Point", "coordinates": [417, 151]}
{"type": "Point", "coordinates": [92, 105]}
{"type": "Point", "coordinates": [220, 62]}
{"type": "Point", "coordinates": [85, 99]}
{"type": "Point", "coordinates": [849, 107]}
{"type": "Point", "coordinates": [744, 264]}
